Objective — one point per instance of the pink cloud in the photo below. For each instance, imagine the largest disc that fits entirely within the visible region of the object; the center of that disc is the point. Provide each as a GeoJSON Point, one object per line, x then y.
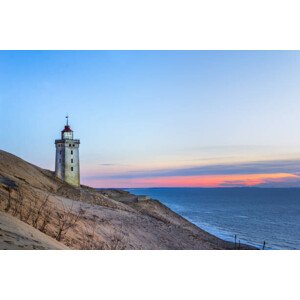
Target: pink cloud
{"type": "Point", "coordinates": [194, 181]}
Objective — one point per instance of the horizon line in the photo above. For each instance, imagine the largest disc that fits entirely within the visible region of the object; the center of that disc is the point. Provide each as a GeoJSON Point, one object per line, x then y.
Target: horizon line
{"type": "Point", "coordinates": [195, 187]}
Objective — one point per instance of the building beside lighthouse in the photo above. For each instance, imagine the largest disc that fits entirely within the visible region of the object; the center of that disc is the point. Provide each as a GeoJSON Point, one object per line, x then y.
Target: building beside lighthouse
{"type": "Point", "coordinates": [67, 157]}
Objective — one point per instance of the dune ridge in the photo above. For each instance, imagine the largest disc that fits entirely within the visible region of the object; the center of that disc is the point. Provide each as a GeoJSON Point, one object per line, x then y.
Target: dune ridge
{"type": "Point", "coordinates": [39, 211]}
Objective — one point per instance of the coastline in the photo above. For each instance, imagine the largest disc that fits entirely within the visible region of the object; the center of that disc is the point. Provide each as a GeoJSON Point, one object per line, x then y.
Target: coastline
{"type": "Point", "coordinates": [105, 219]}
{"type": "Point", "coordinates": [241, 244]}
{"type": "Point", "coordinates": [223, 234]}
{"type": "Point", "coordinates": [228, 237]}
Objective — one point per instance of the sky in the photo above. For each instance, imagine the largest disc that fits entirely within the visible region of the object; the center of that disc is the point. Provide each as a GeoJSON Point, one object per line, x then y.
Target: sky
{"type": "Point", "coordinates": [158, 118]}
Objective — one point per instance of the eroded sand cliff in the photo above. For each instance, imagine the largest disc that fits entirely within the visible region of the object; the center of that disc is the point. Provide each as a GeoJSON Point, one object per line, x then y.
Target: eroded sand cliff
{"type": "Point", "coordinates": [38, 211]}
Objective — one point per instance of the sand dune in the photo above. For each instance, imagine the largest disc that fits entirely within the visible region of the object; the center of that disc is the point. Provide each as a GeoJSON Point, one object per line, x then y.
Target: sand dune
{"type": "Point", "coordinates": [55, 215]}
{"type": "Point", "coordinates": [15, 234]}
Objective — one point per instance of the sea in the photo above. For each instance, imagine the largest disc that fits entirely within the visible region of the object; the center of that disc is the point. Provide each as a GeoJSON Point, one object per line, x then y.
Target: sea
{"type": "Point", "coordinates": [252, 216]}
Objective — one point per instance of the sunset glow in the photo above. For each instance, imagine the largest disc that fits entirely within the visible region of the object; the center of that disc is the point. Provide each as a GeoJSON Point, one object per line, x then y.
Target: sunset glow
{"type": "Point", "coordinates": [158, 118]}
{"type": "Point", "coordinates": [212, 181]}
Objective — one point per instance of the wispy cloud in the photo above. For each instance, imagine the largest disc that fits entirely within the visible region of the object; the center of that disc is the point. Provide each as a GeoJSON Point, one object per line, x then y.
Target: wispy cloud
{"type": "Point", "coordinates": [197, 181]}
{"type": "Point", "coordinates": [261, 167]}
{"type": "Point", "coordinates": [286, 182]}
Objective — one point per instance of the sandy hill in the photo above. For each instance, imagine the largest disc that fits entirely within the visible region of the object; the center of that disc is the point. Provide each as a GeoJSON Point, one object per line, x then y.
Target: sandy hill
{"type": "Point", "coordinates": [15, 234]}
{"type": "Point", "coordinates": [39, 211]}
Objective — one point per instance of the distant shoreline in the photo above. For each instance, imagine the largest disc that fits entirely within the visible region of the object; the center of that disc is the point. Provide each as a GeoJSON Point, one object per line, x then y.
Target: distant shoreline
{"type": "Point", "coordinates": [254, 220]}
{"type": "Point", "coordinates": [204, 188]}
{"type": "Point", "coordinates": [242, 243]}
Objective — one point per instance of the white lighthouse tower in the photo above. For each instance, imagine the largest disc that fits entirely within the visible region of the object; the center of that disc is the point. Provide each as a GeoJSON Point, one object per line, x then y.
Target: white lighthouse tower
{"type": "Point", "coordinates": [67, 157]}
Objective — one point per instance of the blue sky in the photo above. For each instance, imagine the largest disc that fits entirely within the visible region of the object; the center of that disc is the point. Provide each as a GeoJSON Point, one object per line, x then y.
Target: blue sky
{"type": "Point", "coordinates": [153, 112]}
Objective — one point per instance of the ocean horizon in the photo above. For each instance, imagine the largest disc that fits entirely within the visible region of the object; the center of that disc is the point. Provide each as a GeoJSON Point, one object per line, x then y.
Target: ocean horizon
{"type": "Point", "coordinates": [253, 214]}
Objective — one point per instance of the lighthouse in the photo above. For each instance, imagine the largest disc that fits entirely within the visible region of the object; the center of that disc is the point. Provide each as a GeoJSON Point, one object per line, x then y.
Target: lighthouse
{"type": "Point", "coordinates": [67, 157]}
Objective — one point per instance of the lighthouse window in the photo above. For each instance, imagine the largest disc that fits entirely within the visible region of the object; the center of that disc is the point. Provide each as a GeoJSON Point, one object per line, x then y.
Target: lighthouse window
{"type": "Point", "coordinates": [71, 168]}
{"type": "Point", "coordinates": [69, 145]}
{"type": "Point", "coordinates": [73, 145]}
{"type": "Point", "coordinates": [71, 160]}
{"type": "Point", "coordinates": [71, 151]}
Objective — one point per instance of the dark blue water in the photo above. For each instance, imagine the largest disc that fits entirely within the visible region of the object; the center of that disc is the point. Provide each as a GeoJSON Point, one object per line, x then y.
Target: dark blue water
{"type": "Point", "coordinates": [255, 215]}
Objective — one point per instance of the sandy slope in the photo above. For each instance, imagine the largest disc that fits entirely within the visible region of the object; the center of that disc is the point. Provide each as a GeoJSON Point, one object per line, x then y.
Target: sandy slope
{"type": "Point", "coordinates": [15, 234]}
{"type": "Point", "coordinates": [106, 219]}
